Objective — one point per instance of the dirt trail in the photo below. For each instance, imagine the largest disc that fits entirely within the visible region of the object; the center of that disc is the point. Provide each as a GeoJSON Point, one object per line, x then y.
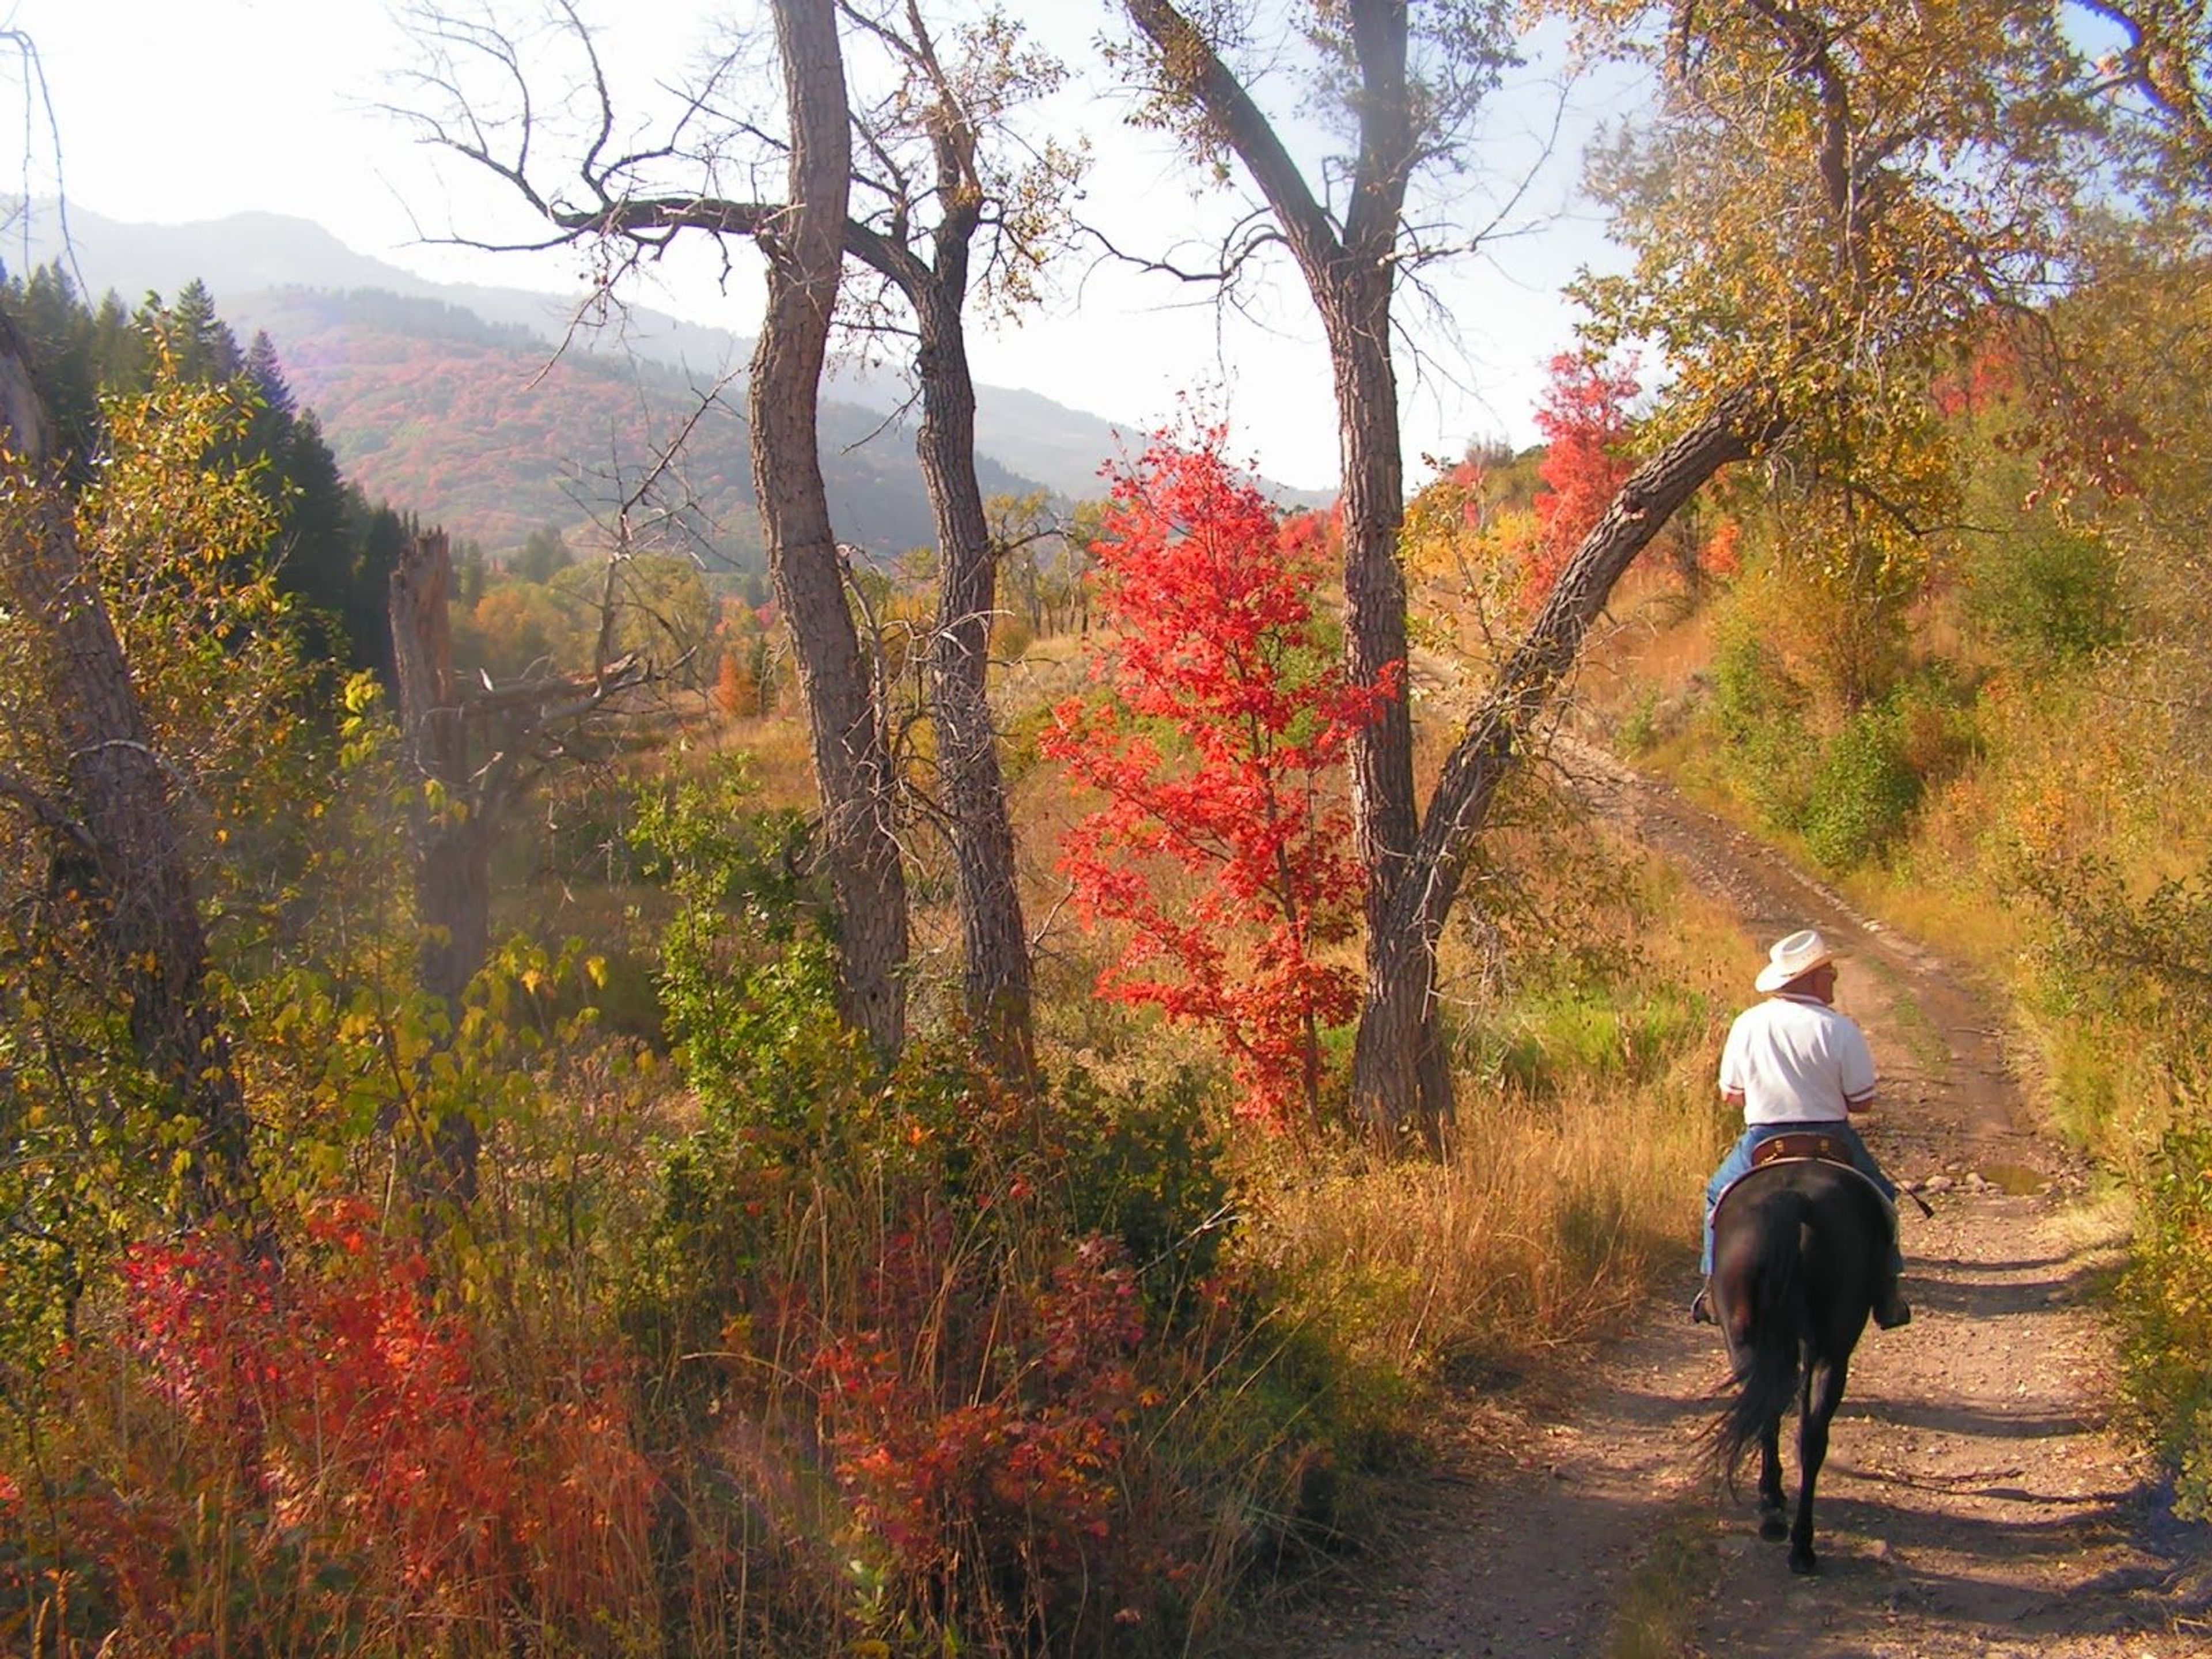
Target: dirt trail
{"type": "Point", "coordinates": [1974, 1502]}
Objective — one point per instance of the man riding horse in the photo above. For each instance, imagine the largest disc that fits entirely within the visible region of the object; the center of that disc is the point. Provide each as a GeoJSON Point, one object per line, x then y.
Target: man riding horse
{"type": "Point", "coordinates": [1793, 1063]}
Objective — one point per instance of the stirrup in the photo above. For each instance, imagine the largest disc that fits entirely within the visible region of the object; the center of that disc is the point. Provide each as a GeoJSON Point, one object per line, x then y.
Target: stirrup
{"type": "Point", "coordinates": [1892, 1311]}
{"type": "Point", "coordinates": [1701, 1307]}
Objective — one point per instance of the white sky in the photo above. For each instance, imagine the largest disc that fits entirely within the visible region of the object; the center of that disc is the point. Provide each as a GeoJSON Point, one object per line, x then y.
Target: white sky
{"type": "Point", "coordinates": [170, 111]}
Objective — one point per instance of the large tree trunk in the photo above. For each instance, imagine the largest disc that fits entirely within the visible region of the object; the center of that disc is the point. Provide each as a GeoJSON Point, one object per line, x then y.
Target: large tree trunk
{"type": "Point", "coordinates": [450, 823]}
{"type": "Point", "coordinates": [996, 957]}
{"type": "Point", "coordinates": [122, 816]}
{"type": "Point", "coordinates": [804, 245]}
{"type": "Point", "coordinates": [1355, 308]}
{"type": "Point", "coordinates": [1388, 1060]}
{"type": "Point", "coordinates": [1349, 274]}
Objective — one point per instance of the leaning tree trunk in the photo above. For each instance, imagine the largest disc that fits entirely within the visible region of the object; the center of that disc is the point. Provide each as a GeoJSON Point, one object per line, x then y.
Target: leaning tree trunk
{"type": "Point", "coordinates": [123, 818]}
{"type": "Point", "coordinates": [995, 956]}
{"type": "Point", "coordinates": [1387, 1054]}
{"type": "Point", "coordinates": [450, 825]}
{"type": "Point", "coordinates": [804, 245]}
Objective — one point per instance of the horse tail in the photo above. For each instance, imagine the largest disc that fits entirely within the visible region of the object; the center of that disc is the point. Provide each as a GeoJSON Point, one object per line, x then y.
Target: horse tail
{"type": "Point", "coordinates": [1767, 1368]}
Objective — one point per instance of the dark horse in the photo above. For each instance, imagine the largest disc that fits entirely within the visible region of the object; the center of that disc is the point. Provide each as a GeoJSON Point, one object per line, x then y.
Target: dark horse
{"type": "Point", "coordinates": [1800, 1247]}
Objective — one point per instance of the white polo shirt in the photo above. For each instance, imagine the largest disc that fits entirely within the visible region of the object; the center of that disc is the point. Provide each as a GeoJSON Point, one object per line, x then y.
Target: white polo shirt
{"type": "Point", "coordinates": [1795, 1059]}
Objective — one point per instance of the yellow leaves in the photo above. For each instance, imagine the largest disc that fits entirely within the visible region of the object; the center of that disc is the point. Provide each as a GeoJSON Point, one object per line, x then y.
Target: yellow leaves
{"type": "Point", "coordinates": [1829, 195]}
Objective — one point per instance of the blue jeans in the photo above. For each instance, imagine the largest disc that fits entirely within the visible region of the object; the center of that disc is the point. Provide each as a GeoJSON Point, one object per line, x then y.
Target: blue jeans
{"type": "Point", "coordinates": [1738, 1163]}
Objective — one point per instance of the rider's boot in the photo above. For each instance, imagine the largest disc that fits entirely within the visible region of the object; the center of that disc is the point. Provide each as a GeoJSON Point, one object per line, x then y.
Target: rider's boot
{"type": "Point", "coordinates": [1891, 1308]}
{"type": "Point", "coordinates": [1701, 1307]}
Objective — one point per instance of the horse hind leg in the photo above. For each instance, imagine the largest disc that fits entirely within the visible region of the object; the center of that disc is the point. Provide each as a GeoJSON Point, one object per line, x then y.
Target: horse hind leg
{"type": "Point", "coordinates": [1824, 1392]}
{"type": "Point", "coordinates": [1771, 1526]}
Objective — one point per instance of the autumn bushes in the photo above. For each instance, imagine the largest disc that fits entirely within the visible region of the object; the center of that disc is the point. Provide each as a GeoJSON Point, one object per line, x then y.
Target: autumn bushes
{"type": "Point", "coordinates": [317, 1460]}
{"type": "Point", "coordinates": [927, 1363]}
{"type": "Point", "coordinates": [941, 1360]}
{"type": "Point", "coordinates": [951, 1401]}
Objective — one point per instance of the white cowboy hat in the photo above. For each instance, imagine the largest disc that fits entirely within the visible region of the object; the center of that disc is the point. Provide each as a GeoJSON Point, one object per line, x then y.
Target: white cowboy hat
{"type": "Point", "coordinates": [1792, 958]}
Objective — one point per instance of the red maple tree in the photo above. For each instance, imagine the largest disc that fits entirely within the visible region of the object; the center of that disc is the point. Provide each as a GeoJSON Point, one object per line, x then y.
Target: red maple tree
{"type": "Point", "coordinates": [1224, 848]}
{"type": "Point", "coordinates": [1584, 420]}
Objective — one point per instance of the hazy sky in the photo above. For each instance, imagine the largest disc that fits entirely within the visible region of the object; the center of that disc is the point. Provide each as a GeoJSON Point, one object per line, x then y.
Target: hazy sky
{"type": "Point", "coordinates": [170, 112]}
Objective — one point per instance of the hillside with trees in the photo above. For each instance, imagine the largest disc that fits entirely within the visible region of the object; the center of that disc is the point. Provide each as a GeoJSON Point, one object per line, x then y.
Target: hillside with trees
{"type": "Point", "coordinates": [1002, 1098]}
{"type": "Point", "coordinates": [485, 431]}
{"type": "Point", "coordinates": [264, 264]}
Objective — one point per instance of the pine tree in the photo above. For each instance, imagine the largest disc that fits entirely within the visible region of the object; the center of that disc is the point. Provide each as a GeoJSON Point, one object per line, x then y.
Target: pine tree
{"type": "Point", "coordinates": [118, 345]}
{"type": "Point", "coordinates": [541, 555]}
{"type": "Point", "coordinates": [267, 374]}
{"type": "Point", "coordinates": [58, 332]}
{"type": "Point", "coordinates": [322, 554]}
{"type": "Point", "coordinates": [205, 348]}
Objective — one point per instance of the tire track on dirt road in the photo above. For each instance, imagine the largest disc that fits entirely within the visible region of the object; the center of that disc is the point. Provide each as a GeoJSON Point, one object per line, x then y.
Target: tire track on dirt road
{"type": "Point", "coordinates": [1975, 1501]}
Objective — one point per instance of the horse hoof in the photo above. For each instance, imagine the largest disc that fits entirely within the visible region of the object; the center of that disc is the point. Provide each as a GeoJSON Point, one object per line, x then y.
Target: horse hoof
{"type": "Point", "coordinates": [1804, 1564]}
{"type": "Point", "coordinates": [1773, 1528]}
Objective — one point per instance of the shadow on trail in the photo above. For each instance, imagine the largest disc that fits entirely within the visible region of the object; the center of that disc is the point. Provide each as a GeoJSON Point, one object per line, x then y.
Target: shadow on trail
{"type": "Point", "coordinates": [1980, 1295]}
{"type": "Point", "coordinates": [1981, 1583]}
{"type": "Point", "coordinates": [1919, 1262]}
{"type": "Point", "coordinates": [1664, 1414]}
{"type": "Point", "coordinates": [1527, 1563]}
{"type": "Point", "coordinates": [1967, 1422]}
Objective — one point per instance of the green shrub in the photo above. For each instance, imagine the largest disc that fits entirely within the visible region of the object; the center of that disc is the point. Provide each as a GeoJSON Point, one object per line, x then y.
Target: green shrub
{"type": "Point", "coordinates": [1864, 792]}
{"type": "Point", "coordinates": [1752, 691]}
{"type": "Point", "coordinates": [1145, 1166]}
{"type": "Point", "coordinates": [2166, 1301]}
{"type": "Point", "coordinates": [1609, 1033]}
{"type": "Point", "coordinates": [1637, 734]}
{"type": "Point", "coordinates": [1757, 710]}
{"type": "Point", "coordinates": [2048, 599]}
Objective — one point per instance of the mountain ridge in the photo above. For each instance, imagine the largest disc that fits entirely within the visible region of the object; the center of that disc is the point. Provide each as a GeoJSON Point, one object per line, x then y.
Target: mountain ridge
{"type": "Point", "coordinates": [254, 262]}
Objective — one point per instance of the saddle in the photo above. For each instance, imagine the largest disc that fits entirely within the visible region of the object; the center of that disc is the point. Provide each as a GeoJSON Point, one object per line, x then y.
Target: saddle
{"type": "Point", "coordinates": [1807, 1146]}
{"type": "Point", "coordinates": [1803, 1143]}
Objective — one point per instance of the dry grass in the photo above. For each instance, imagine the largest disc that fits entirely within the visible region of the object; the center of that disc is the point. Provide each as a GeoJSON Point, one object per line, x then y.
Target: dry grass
{"type": "Point", "coordinates": [1555, 1209]}
{"type": "Point", "coordinates": [783, 764]}
{"type": "Point", "coordinates": [1545, 1221]}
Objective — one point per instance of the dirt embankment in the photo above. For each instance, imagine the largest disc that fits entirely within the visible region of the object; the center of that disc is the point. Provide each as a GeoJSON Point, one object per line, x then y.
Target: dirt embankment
{"type": "Point", "coordinates": [1974, 1500]}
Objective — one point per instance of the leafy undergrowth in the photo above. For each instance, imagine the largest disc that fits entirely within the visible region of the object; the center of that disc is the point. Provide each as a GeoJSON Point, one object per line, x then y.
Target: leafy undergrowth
{"type": "Point", "coordinates": [944, 1369]}
{"type": "Point", "coordinates": [766, 1352]}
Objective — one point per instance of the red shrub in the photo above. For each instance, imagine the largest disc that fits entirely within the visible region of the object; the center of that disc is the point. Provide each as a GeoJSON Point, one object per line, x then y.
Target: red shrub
{"type": "Point", "coordinates": [1229, 862]}
{"type": "Point", "coordinates": [987, 1453]}
{"type": "Point", "coordinates": [320, 1448]}
{"type": "Point", "coordinates": [1584, 420]}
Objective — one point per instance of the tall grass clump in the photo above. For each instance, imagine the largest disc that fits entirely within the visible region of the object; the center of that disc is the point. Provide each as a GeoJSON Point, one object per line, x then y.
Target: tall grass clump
{"type": "Point", "coordinates": [1546, 1220]}
{"type": "Point", "coordinates": [1587, 1125]}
